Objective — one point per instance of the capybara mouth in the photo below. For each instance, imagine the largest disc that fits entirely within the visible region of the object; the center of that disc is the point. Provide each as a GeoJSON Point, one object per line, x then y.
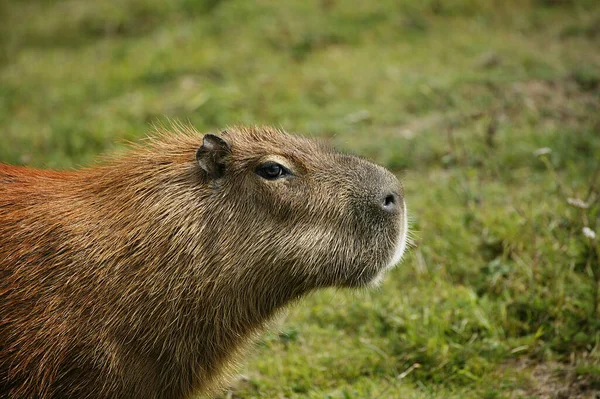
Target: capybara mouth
{"type": "Point", "coordinates": [397, 253]}
{"type": "Point", "coordinates": [401, 242]}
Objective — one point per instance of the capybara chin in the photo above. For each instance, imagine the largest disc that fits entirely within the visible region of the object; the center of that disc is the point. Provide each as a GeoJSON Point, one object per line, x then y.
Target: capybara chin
{"type": "Point", "coordinates": [144, 276]}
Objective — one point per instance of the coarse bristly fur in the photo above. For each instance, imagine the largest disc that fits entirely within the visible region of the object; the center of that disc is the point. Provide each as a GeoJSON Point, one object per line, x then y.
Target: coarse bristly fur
{"type": "Point", "coordinates": [146, 275]}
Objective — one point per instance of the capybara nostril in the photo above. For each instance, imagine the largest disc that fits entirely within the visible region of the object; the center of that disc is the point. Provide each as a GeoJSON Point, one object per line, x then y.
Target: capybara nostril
{"type": "Point", "coordinates": [390, 202]}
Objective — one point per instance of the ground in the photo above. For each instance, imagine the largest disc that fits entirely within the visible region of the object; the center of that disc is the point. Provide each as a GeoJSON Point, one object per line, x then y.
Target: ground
{"type": "Point", "coordinates": [488, 110]}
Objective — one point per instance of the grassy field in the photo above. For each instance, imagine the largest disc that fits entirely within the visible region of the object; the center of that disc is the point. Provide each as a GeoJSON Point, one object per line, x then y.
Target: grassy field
{"type": "Point", "coordinates": [490, 110]}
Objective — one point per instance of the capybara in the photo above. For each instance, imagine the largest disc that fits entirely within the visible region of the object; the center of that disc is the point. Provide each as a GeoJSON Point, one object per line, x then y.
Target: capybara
{"type": "Point", "coordinates": [147, 274]}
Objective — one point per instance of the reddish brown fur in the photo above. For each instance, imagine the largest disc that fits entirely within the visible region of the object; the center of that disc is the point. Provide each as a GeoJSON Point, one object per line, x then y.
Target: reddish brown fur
{"type": "Point", "coordinates": [142, 277]}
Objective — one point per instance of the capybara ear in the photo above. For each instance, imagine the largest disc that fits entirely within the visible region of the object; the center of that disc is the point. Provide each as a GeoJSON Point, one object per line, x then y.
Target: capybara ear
{"type": "Point", "coordinates": [211, 156]}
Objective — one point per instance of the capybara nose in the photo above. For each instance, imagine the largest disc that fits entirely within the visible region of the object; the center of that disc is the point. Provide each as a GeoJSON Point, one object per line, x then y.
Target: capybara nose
{"type": "Point", "coordinates": [390, 202]}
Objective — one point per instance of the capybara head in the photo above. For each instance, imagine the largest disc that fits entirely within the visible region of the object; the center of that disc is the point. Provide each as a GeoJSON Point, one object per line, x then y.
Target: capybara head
{"type": "Point", "coordinates": [301, 210]}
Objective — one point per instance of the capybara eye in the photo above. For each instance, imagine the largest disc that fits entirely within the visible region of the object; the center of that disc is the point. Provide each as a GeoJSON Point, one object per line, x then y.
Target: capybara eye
{"type": "Point", "coordinates": [272, 171]}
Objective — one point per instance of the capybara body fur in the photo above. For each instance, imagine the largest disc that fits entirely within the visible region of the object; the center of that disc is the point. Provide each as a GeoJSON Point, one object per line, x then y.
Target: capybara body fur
{"type": "Point", "coordinates": [145, 275]}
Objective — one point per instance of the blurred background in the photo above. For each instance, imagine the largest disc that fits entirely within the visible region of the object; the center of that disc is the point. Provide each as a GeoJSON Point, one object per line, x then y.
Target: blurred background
{"type": "Point", "coordinates": [490, 110]}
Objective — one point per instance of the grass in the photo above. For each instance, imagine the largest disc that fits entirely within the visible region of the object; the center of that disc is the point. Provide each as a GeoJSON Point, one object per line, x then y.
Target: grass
{"type": "Point", "coordinates": [489, 109]}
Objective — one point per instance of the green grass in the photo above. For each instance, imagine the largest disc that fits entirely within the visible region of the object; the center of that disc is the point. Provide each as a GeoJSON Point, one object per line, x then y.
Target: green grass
{"type": "Point", "coordinates": [498, 298]}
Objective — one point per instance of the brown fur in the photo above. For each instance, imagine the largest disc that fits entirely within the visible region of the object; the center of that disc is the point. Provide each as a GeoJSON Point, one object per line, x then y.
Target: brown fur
{"type": "Point", "coordinates": [144, 276]}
